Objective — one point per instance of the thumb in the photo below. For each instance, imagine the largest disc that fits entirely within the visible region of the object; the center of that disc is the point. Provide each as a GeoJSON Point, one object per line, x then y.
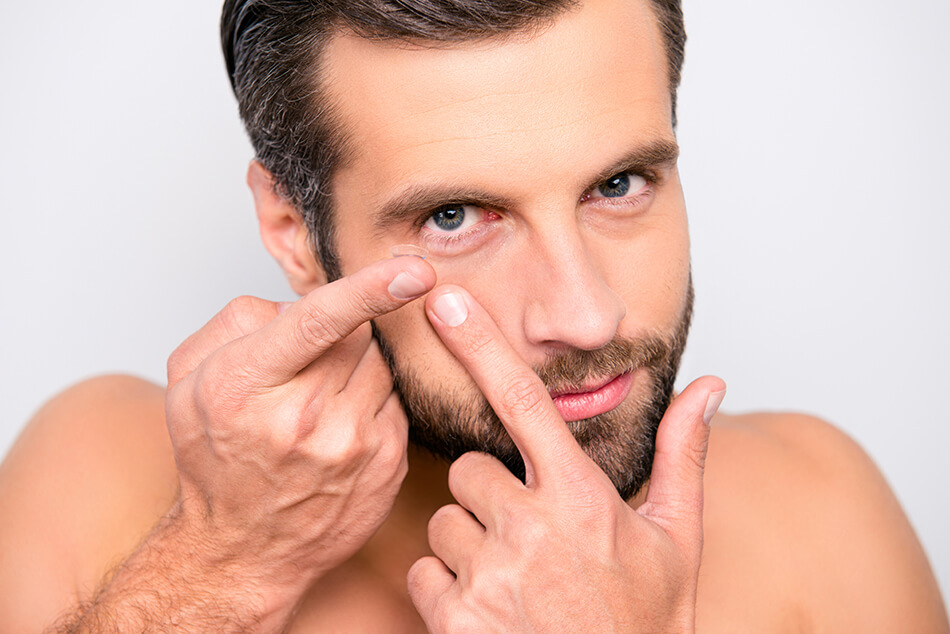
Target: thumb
{"type": "Point", "coordinates": [675, 497]}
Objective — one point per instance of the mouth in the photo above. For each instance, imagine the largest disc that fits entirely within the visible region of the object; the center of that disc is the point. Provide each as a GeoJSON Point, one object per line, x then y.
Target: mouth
{"type": "Point", "coordinates": [593, 399]}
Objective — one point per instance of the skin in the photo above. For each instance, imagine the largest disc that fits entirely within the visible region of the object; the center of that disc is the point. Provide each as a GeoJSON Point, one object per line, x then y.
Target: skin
{"type": "Point", "coordinates": [282, 494]}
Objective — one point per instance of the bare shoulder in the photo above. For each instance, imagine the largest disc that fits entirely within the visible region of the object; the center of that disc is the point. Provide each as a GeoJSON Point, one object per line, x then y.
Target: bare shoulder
{"type": "Point", "coordinates": [82, 485]}
{"type": "Point", "coordinates": [799, 515]}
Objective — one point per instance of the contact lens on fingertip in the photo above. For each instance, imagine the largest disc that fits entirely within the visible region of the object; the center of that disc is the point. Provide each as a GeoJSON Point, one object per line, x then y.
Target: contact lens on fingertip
{"type": "Point", "coordinates": [409, 249]}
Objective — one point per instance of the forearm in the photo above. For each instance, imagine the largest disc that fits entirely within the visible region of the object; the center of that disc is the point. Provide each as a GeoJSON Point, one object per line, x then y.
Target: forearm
{"type": "Point", "coordinates": [178, 581]}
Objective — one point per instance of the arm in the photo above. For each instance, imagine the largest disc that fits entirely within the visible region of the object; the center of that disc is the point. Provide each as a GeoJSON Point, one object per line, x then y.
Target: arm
{"type": "Point", "coordinates": [289, 444]}
{"type": "Point", "coordinates": [174, 579]}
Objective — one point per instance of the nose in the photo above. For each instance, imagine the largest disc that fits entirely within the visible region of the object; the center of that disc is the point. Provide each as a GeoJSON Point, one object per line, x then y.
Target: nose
{"type": "Point", "coordinates": [569, 300]}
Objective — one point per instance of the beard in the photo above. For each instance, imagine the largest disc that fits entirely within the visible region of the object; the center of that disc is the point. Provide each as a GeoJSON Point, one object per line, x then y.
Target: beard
{"type": "Point", "coordinates": [449, 423]}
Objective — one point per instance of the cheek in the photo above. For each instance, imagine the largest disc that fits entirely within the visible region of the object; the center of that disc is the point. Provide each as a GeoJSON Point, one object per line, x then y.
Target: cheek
{"type": "Point", "coordinates": [407, 328]}
{"type": "Point", "coordinates": [415, 344]}
{"type": "Point", "coordinates": [652, 275]}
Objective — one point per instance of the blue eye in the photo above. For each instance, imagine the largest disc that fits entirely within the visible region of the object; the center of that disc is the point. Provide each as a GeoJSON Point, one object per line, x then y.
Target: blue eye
{"type": "Point", "coordinates": [453, 218]}
{"type": "Point", "coordinates": [620, 185]}
{"type": "Point", "coordinates": [449, 218]}
{"type": "Point", "coordinates": [615, 186]}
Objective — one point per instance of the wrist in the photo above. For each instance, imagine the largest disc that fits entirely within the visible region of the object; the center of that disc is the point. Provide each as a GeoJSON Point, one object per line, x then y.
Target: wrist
{"type": "Point", "coordinates": [221, 571]}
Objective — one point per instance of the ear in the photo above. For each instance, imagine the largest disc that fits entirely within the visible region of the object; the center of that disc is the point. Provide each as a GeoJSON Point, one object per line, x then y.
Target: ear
{"type": "Point", "coordinates": [284, 233]}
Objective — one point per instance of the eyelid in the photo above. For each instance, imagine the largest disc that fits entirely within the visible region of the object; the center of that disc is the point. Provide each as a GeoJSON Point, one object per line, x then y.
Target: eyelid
{"type": "Point", "coordinates": [651, 178]}
{"type": "Point", "coordinates": [423, 217]}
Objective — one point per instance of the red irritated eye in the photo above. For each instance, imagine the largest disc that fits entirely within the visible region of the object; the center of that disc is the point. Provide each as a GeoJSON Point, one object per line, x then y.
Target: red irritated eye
{"type": "Point", "coordinates": [455, 227]}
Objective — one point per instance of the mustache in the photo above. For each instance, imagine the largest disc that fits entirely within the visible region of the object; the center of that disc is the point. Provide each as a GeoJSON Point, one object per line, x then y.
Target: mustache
{"type": "Point", "coordinates": [572, 368]}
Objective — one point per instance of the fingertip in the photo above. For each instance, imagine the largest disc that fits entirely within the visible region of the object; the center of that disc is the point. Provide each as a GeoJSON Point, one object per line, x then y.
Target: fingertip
{"type": "Point", "coordinates": [408, 277]}
{"type": "Point", "coordinates": [713, 401]}
{"type": "Point", "coordinates": [448, 305]}
{"type": "Point", "coordinates": [714, 389]}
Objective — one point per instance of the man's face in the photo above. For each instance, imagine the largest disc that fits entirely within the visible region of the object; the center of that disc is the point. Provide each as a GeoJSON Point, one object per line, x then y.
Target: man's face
{"type": "Point", "coordinates": [539, 172]}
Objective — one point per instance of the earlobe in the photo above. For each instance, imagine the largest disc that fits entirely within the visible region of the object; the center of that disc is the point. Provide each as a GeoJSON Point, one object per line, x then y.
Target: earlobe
{"type": "Point", "coordinates": [283, 231]}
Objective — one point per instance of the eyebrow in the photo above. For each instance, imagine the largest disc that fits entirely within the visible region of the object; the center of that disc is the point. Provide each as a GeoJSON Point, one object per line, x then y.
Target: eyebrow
{"type": "Point", "coordinates": [659, 153]}
{"type": "Point", "coordinates": [418, 199]}
{"type": "Point", "coordinates": [423, 198]}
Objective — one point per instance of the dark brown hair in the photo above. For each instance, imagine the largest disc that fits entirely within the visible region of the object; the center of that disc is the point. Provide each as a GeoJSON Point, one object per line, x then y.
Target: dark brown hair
{"type": "Point", "coordinates": [273, 53]}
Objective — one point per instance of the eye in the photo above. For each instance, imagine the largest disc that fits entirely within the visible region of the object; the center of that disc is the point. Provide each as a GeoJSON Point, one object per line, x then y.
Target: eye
{"type": "Point", "coordinates": [455, 228]}
{"type": "Point", "coordinates": [620, 185]}
{"type": "Point", "coordinates": [454, 218]}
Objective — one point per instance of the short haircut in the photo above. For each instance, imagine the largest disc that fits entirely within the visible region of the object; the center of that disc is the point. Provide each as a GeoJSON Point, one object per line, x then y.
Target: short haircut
{"type": "Point", "coordinates": [273, 50]}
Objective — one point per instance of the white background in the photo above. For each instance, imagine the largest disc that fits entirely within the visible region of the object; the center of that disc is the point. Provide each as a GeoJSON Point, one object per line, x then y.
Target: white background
{"type": "Point", "coordinates": [815, 160]}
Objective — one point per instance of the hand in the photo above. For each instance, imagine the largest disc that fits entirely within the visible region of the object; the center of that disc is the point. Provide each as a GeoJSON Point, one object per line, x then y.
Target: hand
{"type": "Point", "coordinates": [563, 551]}
{"type": "Point", "coordinates": [289, 439]}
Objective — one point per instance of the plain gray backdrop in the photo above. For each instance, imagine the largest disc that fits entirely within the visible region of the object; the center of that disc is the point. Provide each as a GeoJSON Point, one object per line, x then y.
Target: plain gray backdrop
{"type": "Point", "coordinates": [814, 142]}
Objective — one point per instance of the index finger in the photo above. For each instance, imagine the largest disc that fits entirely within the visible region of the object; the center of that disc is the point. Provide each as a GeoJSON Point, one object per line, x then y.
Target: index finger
{"type": "Point", "coordinates": [514, 390]}
{"type": "Point", "coordinates": [326, 315]}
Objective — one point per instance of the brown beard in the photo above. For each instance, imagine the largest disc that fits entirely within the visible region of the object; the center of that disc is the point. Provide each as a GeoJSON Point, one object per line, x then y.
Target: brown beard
{"type": "Point", "coordinates": [621, 441]}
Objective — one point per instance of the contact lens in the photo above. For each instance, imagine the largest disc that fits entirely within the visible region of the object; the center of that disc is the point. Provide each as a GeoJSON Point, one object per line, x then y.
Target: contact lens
{"type": "Point", "coordinates": [409, 249]}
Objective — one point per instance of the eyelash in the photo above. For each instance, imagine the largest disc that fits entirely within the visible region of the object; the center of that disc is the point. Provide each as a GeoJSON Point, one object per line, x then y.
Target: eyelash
{"type": "Point", "coordinates": [636, 197]}
{"type": "Point", "coordinates": [450, 239]}
{"type": "Point", "coordinates": [446, 239]}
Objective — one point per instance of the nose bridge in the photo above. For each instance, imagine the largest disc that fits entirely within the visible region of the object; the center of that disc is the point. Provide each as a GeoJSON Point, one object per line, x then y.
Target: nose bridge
{"type": "Point", "coordinates": [570, 302]}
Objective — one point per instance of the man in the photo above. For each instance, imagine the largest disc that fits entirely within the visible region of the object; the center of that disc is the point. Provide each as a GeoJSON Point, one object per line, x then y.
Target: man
{"type": "Point", "coordinates": [532, 153]}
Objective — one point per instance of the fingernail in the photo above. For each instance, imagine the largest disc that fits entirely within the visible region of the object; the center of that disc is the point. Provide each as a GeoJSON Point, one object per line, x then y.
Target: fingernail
{"type": "Point", "coordinates": [712, 405]}
{"type": "Point", "coordinates": [409, 249]}
{"type": "Point", "coordinates": [451, 309]}
{"type": "Point", "coordinates": [282, 306]}
{"type": "Point", "coordinates": [405, 286]}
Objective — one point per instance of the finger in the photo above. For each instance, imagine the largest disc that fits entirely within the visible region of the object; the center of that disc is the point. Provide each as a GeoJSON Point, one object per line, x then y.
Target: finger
{"type": "Point", "coordinates": [485, 487]}
{"type": "Point", "coordinates": [370, 379]}
{"type": "Point", "coordinates": [513, 389]}
{"type": "Point", "coordinates": [242, 316]}
{"type": "Point", "coordinates": [675, 496]}
{"type": "Point", "coordinates": [454, 534]}
{"type": "Point", "coordinates": [314, 323]}
{"type": "Point", "coordinates": [428, 581]}
{"type": "Point", "coordinates": [366, 384]}
{"type": "Point", "coordinates": [393, 416]}
{"type": "Point", "coordinates": [332, 371]}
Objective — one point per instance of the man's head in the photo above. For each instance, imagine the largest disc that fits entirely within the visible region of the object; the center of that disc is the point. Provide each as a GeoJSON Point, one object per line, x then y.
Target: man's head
{"type": "Point", "coordinates": [275, 49]}
{"type": "Point", "coordinates": [535, 159]}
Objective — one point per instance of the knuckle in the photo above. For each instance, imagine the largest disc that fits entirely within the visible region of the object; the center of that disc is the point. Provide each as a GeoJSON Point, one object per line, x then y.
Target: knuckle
{"type": "Point", "coordinates": [212, 399]}
{"type": "Point", "coordinates": [465, 467]}
{"type": "Point", "coordinates": [242, 304]}
{"type": "Point", "coordinates": [494, 585]}
{"type": "Point", "coordinates": [695, 455]}
{"type": "Point", "coordinates": [318, 326]}
{"type": "Point", "coordinates": [477, 343]}
{"type": "Point", "coordinates": [344, 450]}
{"type": "Point", "coordinates": [534, 535]}
{"type": "Point", "coordinates": [392, 456]}
{"type": "Point", "coordinates": [522, 394]}
{"type": "Point", "coordinates": [241, 316]}
{"type": "Point", "coordinates": [176, 367]}
{"type": "Point", "coordinates": [364, 300]}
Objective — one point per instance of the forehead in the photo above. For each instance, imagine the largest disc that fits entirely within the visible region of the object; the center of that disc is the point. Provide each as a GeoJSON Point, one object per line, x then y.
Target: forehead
{"type": "Point", "coordinates": [507, 114]}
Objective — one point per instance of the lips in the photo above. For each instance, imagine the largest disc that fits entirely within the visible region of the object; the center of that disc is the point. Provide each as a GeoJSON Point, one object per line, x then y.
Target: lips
{"type": "Point", "coordinates": [588, 401]}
